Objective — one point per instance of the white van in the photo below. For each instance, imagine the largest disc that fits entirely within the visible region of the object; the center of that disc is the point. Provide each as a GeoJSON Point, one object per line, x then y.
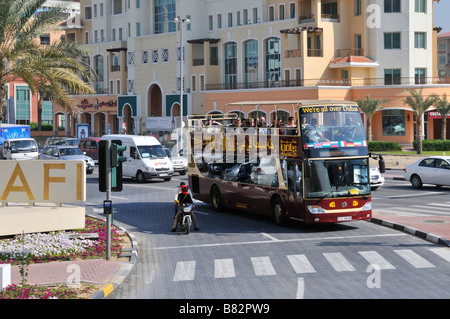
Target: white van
{"type": "Point", "coordinates": [146, 158]}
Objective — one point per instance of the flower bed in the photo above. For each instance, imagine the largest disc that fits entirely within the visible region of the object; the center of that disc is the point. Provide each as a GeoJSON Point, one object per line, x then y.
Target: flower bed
{"type": "Point", "coordinates": [55, 246]}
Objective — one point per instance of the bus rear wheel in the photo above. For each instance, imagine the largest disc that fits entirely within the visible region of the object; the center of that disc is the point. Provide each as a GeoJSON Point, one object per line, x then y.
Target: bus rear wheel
{"type": "Point", "coordinates": [278, 212]}
{"type": "Point", "coordinates": [216, 198]}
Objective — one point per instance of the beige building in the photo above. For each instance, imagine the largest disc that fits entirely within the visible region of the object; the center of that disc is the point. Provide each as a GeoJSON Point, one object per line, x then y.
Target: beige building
{"type": "Point", "coordinates": [246, 50]}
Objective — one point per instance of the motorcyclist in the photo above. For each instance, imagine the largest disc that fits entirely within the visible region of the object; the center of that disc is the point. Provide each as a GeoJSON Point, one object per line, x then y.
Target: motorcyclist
{"type": "Point", "coordinates": [184, 198]}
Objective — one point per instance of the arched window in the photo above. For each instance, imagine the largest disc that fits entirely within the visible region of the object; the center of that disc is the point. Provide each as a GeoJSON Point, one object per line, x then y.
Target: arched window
{"type": "Point", "coordinates": [250, 62]}
{"type": "Point", "coordinates": [273, 61]}
{"type": "Point", "coordinates": [230, 55]}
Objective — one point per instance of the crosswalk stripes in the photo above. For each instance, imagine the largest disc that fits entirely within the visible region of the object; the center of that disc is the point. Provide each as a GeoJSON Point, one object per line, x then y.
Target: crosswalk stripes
{"type": "Point", "coordinates": [262, 266]}
{"type": "Point", "coordinates": [339, 262]}
{"type": "Point", "coordinates": [414, 259]}
{"type": "Point", "coordinates": [417, 210]}
{"type": "Point", "coordinates": [375, 258]}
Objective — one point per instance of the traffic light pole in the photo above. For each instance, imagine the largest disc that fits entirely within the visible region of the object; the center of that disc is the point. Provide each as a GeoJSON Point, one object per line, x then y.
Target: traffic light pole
{"type": "Point", "coordinates": [108, 198]}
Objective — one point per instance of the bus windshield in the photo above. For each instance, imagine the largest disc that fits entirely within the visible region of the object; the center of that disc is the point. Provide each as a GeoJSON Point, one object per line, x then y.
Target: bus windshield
{"type": "Point", "coordinates": [331, 127]}
{"type": "Point", "coordinates": [338, 178]}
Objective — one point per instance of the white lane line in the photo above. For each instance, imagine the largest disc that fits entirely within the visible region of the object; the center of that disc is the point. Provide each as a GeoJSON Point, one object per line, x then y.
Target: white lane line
{"type": "Point", "coordinates": [278, 241]}
{"type": "Point", "coordinates": [269, 236]}
{"type": "Point", "coordinates": [300, 288]}
{"type": "Point", "coordinates": [263, 266]}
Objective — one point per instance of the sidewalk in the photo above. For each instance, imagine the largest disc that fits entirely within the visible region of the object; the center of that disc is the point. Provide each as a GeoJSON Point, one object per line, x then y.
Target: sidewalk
{"type": "Point", "coordinates": [108, 274]}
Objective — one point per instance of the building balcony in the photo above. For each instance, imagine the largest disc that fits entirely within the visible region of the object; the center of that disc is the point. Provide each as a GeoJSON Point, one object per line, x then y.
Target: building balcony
{"type": "Point", "coordinates": [396, 81]}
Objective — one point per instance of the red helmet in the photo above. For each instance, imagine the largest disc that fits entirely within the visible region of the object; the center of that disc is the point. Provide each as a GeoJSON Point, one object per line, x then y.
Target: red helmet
{"type": "Point", "coordinates": [184, 189]}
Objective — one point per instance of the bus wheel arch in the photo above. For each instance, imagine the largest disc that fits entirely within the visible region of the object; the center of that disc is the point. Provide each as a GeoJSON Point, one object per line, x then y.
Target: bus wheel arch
{"type": "Point", "coordinates": [216, 198]}
{"type": "Point", "coordinates": [278, 210]}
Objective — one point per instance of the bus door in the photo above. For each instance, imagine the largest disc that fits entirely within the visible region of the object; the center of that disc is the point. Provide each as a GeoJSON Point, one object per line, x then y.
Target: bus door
{"type": "Point", "coordinates": [294, 186]}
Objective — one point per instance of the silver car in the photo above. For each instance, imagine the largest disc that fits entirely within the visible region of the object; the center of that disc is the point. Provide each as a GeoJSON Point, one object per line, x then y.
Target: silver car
{"type": "Point", "coordinates": [67, 153]}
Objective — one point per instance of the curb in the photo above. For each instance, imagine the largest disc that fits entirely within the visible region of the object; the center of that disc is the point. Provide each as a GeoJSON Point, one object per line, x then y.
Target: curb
{"type": "Point", "coordinates": [412, 231]}
{"type": "Point", "coordinates": [124, 271]}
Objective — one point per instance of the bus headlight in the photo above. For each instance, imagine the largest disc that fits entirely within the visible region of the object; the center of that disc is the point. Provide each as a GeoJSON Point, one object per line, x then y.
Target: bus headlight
{"type": "Point", "coordinates": [316, 209]}
{"type": "Point", "coordinates": [367, 206]}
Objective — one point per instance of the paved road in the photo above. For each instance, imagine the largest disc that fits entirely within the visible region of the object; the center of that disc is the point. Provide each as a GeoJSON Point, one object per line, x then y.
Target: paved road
{"type": "Point", "coordinates": [242, 256]}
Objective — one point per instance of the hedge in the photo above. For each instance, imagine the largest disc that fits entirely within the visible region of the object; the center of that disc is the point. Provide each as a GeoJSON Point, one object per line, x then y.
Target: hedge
{"type": "Point", "coordinates": [434, 145]}
{"type": "Point", "coordinates": [379, 146]}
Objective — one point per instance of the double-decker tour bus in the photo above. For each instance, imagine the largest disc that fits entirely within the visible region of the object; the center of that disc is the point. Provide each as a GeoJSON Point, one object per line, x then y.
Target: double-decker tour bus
{"type": "Point", "coordinates": [315, 170]}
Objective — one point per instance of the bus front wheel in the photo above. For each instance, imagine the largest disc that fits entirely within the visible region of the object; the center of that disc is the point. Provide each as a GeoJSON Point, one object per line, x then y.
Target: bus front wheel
{"type": "Point", "coordinates": [216, 198]}
{"type": "Point", "coordinates": [278, 212]}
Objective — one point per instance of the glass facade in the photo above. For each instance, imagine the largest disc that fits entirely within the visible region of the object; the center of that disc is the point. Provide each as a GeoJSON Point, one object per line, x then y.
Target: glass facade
{"type": "Point", "coordinates": [273, 60]}
{"type": "Point", "coordinates": [165, 13]}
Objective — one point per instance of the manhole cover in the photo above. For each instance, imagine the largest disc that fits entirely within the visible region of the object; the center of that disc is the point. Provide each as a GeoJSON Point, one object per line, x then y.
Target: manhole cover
{"type": "Point", "coordinates": [434, 221]}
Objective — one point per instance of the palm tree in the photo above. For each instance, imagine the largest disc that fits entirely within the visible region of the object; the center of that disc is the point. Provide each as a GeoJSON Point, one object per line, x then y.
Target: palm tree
{"type": "Point", "coordinates": [370, 106]}
{"type": "Point", "coordinates": [57, 73]}
{"type": "Point", "coordinates": [22, 57]}
{"type": "Point", "coordinates": [443, 107]}
{"type": "Point", "coordinates": [419, 105]}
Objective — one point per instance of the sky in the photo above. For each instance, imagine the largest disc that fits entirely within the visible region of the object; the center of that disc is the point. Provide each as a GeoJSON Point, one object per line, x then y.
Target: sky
{"type": "Point", "coordinates": [442, 15]}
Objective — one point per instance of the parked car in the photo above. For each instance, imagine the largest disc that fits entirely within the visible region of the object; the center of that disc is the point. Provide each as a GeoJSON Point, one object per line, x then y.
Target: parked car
{"type": "Point", "coordinates": [429, 170]}
{"type": "Point", "coordinates": [376, 179]}
{"type": "Point", "coordinates": [70, 141]}
{"type": "Point", "coordinates": [58, 152]}
{"type": "Point", "coordinates": [89, 146]}
{"type": "Point", "coordinates": [179, 162]}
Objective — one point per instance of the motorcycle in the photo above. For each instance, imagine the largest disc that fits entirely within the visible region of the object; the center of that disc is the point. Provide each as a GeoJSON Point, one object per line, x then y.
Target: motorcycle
{"type": "Point", "coordinates": [185, 220]}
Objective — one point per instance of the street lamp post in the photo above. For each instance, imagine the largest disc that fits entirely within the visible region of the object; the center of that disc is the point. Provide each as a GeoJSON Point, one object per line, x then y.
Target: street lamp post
{"type": "Point", "coordinates": [180, 22]}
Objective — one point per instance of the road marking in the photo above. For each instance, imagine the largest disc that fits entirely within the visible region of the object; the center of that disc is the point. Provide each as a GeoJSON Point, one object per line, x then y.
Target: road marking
{"type": "Point", "coordinates": [263, 266]}
{"type": "Point", "coordinates": [406, 195]}
{"type": "Point", "coordinates": [414, 259]}
{"type": "Point", "coordinates": [300, 288]}
{"type": "Point", "coordinates": [269, 236]}
{"type": "Point", "coordinates": [442, 252]}
{"type": "Point", "coordinates": [185, 270]}
{"type": "Point", "coordinates": [224, 268]}
{"type": "Point", "coordinates": [301, 264]}
{"type": "Point", "coordinates": [278, 241]}
{"type": "Point", "coordinates": [375, 258]}
{"type": "Point", "coordinates": [153, 267]}
{"type": "Point", "coordinates": [339, 262]}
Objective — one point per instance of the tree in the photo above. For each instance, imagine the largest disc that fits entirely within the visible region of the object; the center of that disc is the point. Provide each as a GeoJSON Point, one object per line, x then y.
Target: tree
{"type": "Point", "coordinates": [419, 105]}
{"type": "Point", "coordinates": [58, 73]}
{"type": "Point", "coordinates": [22, 56]}
{"type": "Point", "coordinates": [370, 106]}
{"type": "Point", "coordinates": [443, 107]}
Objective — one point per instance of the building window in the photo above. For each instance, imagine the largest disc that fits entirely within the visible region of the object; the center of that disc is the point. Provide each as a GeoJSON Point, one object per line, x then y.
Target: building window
{"type": "Point", "coordinates": [154, 56]}
{"type": "Point", "coordinates": [420, 40]}
{"type": "Point", "coordinates": [272, 60]}
{"type": "Point", "coordinates": [145, 57]}
{"type": "Point", "coordinates": [292, 10]}
{"type": "Point", "coordinates": [391, 6]}
{"type": "Point", "coordinates": [98, 68]}
{"type": "Point", "coordinates": [251, 62]}
{"type": "Point", "coordinates": [230, 65]}
{"type": "Point", "coordinates": [115, 65]}
{"type": "Point", "coordinates": [393, 122]}
{"type": "Point", "coordinates": [45, 39]}
{"type": "Point", "coordinates": [47, 111]}
{"type": "Point", "coordinates": [22, 105]}
{"type": "Point", "coordinates": [193, 83]}
{"type": "Point", "coordinates": [271, 13]}
{"type": "Point", "coordinates": [138, 29]}
{"type": "Point", "coordinates": [392, 76]}
{"type": "Point", "coordinates": [117, 7]}
{"type": "Point", "coordinates": [357, 7]}
{"type": "Point", "coordinates": [442, 59]}
{"type": "Point", "coordinates": [130, 58]}
{"type": "Point", "coordinates": [130, 86]}
{"type": "Point", "coordinates": [420, 6]}
{"type": "Point", "coordinates": [420, 75]}
{"type": "Point", "coordinates": [165, 55]}
{"type": "Point", "coordinates": [230, 19]}
{"type": "Point", "coordinates": [210, 23]}
{"type": "Point", "coordinates": [392, 40]}
{"type": "Point", "coordinates": [88, 13]}
{"type": "Point", "coordinates": [165, 13]}
{"type": "Point", "coordinates": [281, 12]}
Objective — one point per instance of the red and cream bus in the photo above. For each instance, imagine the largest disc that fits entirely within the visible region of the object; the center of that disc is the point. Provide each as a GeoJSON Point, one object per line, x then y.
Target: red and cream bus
{"type": "Point", "coordinates": [316, 172]}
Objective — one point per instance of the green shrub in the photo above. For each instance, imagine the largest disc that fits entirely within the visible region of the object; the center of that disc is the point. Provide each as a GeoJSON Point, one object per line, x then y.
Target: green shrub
{"type": "Point", "coordinates": [44, 126]}
{"type": "Point", "coordinates": [379, 146]}
{"type": "Point", "coordinates": [434, 145]}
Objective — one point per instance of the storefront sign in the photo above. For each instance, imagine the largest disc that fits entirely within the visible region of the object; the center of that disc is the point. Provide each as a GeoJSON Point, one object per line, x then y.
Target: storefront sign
{"type": "Point", "coordinates": [435, 115]}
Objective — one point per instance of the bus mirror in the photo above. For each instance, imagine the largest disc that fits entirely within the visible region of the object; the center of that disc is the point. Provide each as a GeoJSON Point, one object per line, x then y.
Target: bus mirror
{"type": "Point", "coordinates": [381, 165]}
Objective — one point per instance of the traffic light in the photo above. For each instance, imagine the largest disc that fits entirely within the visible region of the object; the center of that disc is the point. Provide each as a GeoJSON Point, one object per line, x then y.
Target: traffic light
{"type": "Point", "coordinates": [117, 159]}
{"type": "Point", "coordinates": [110, 158]}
